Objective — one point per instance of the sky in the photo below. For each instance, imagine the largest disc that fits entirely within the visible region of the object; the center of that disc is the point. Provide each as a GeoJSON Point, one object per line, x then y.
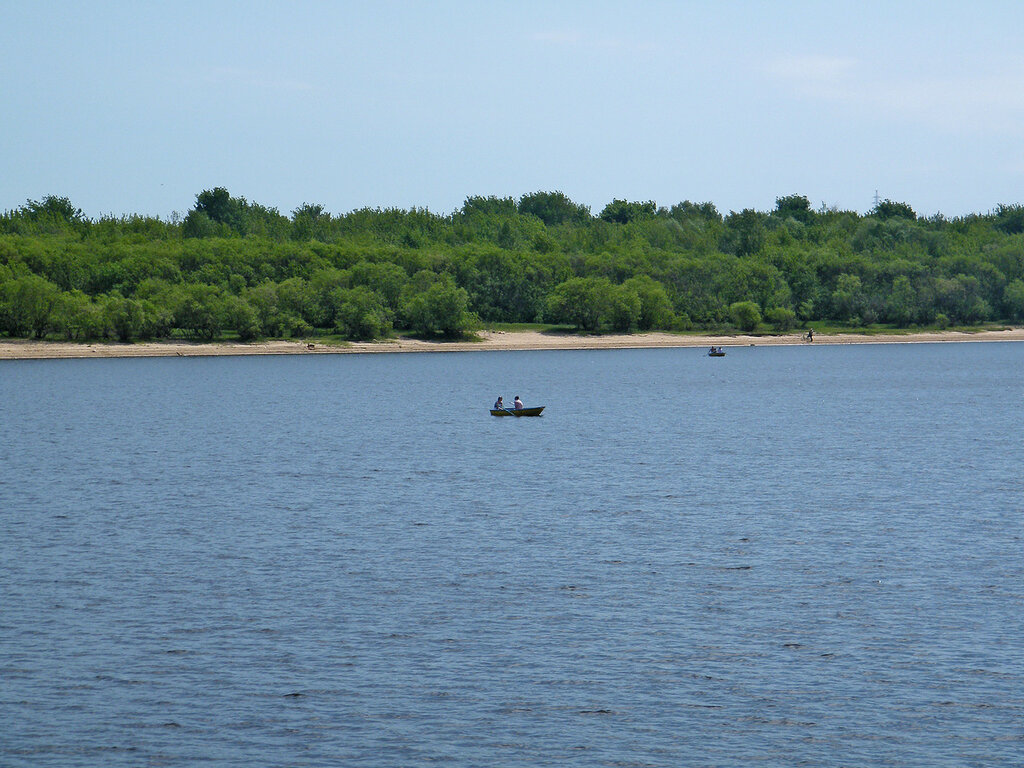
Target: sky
{"type": "Point", "coordinates": [136, 107]}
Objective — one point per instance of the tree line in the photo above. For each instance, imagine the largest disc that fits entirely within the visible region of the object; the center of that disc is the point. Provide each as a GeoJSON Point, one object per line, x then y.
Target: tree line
{"type": "Point", "coordinates": [238, 267]}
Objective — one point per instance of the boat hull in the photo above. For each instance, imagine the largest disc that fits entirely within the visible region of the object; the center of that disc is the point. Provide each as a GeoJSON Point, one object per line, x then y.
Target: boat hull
{"type": "Point", "coordinates": [520, 412]}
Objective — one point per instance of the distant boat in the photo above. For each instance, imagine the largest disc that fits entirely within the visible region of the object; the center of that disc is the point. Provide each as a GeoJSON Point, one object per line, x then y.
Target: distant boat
{"type": "Point", "coordinates": [520, 412]}
{"type": "Point", "coordinates": [716, 353]}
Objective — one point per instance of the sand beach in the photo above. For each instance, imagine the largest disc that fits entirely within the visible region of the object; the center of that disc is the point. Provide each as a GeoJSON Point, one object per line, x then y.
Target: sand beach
{"type": "Point", "coordinates": [489, 341]}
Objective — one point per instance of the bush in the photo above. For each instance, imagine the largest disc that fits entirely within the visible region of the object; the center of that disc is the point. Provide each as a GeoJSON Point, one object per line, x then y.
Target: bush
{"type": "Point", "coordinates": [297, 327]}
{"type": "Point", "coordinates": [655, 307]}
{"type": "Point", "coordinates": [443, 309]}
{"type": "Point", "coordinates": [745, 314]}
{"type": "Point", "coordinates": [26, 303]}
{"type": "Point", "coordinates": [624, 309]}
{"type": "Point", "coordinates": [124, 316]}
{"type": "Point", "coordinates": [361, 313]}
{"type": "Point", "coordinates": [1013, 300]}
{"type": "Point", "coordinates": [583, 301]}
{"type": "Point", "coordinates": [198, 311]}
{"type": "Point", "coordinates": [77, 317]}
{"type": "Point", "coordinates": [781, 317]}
{"type": "Point", "coordinates": [240, 316]}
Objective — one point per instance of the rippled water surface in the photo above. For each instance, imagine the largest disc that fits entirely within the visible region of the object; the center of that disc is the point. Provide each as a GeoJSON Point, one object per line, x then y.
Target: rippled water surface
{"type": "Point", "coordinates": [787, 556]}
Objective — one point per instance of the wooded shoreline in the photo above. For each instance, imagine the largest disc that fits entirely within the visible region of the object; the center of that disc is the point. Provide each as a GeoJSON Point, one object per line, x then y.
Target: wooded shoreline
{"type": "Point", "coordinates": [489, 341]}
{"type": "Point", "coordinates": [236, 269]}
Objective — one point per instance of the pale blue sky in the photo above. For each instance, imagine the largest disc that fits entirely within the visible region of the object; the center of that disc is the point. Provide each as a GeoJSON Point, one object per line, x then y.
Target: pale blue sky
{"type": "Point", "coordinates": [137, 106]}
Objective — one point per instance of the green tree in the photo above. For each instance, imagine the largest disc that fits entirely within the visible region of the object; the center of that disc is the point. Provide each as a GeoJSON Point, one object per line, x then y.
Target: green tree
{"type": "Point", "coordinates": [263, 221]}
{"type": "Point", "coordinates": [489, 206]}
{"type": "Point", "coordinates": [385, 278]}
{"type": "Point", "coordinates": [794, 206]}
{"type": "Point", "coordinates": [623, 308]}
{"type": "Point", "coordinates": [53, 209]}
{"type": "Point", "coordinates": [77, 317]}
{"type": "Point", "coordinates": [362, 313]}
{"type": "Point", "coordinates": [887, 209]}
{"type": "Point", "coordinates": [198, 311]}
{"type": "Point", "coordinates": [1013, 300]}
{"type": "Point", "coordinates": [623, 212]}
{"type": "Point", "coordinates": [240, 316]}
{"type": "Point", "coordinates": [199, 224]}
{"type": "Point", "coordinates": [553, 208]}
{"type": "Point", "coordinates": [506, 287]}
{"type": "Point", "coordinates": [220, 207]}
{"type": "Point", "coordinates": [443, 308]}
{"type": "Point", "coordinates": [901, 306]}
{"type": "Point", "coordinates": [26, 303]}
{"type": "Point", "coordinates": [310, 222]}
{"type": "Point", "coordinates": [655, 305]}
{"type": "Point", "coordinates": [781, 318]}
{"type": "Point", "coordinates": [322, 287]}
{"type": "Point", "coordinates": [959, 298]}
{"type": "Point", "coordinates": [1010, 219]}
{"type": "Point", "coordinates": [125, 317]}
{"type": "Point", "coordinates": [263, 300]}
{"type": "Point", "coordinates": [581, 301]}
{"type": "Point", "coordinates": [295, 301]}
{"type": "Point", "coordinates": [848, 297]}
{"type": "Point", "coordinates": [157, 320]}
{"type": "Point", "coordinates": [806, 310]}
{"type": "Point", "coordinates": [689, 211]}
{"type": "Point", "coordinates": [745, 314]}
{"type": "Point", "coordinates": [745, 233]}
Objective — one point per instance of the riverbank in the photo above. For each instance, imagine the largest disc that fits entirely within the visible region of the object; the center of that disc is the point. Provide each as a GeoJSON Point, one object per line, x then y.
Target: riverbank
{"type": "Point", "coordinates": [25, 349]}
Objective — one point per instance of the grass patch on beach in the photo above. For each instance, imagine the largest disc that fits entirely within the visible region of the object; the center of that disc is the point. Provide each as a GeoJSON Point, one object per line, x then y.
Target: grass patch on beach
{"type": "Point", "coordinates": [554, 329]}
{"type": "Point", "coordinates": [764, 330]}
{"type": "Point", "coordinates": [439, 337]}
{"type": "Point", "coordinates": [879, 329]}
{"type": "Point", "coordinates": [822, 328]}
{"type": "Point", "coordinates": [522, 327]}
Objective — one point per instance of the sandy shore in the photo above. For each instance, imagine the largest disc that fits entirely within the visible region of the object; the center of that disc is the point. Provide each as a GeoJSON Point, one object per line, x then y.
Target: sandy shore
{"type": "Point", "coordinates": [20, 349]}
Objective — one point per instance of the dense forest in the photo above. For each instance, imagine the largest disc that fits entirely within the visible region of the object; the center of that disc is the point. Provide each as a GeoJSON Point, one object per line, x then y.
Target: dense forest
{"type": "Point", "coordinates": [236, 268]}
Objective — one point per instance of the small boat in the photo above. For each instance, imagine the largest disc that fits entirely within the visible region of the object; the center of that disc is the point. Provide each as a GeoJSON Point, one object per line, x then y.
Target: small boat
{"type": "Point", "coordinates": [520, 412]}
{"type": "Point", "coordinates": [716, 353]}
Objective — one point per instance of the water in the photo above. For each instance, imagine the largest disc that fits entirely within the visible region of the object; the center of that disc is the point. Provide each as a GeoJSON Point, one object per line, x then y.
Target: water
{"type": "Point", "coordinates": [788, 556]}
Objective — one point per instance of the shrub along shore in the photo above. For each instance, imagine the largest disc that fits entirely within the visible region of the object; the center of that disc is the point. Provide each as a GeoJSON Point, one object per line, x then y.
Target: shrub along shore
{"type": "Point", "coordinates": [230, 270]}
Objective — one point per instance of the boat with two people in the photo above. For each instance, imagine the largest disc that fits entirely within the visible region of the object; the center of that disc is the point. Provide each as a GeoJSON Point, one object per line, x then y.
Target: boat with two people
{"type": "Point", "coordinates": [517, 409]}
{"type": "Point", "coordinates": [716, 352]}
